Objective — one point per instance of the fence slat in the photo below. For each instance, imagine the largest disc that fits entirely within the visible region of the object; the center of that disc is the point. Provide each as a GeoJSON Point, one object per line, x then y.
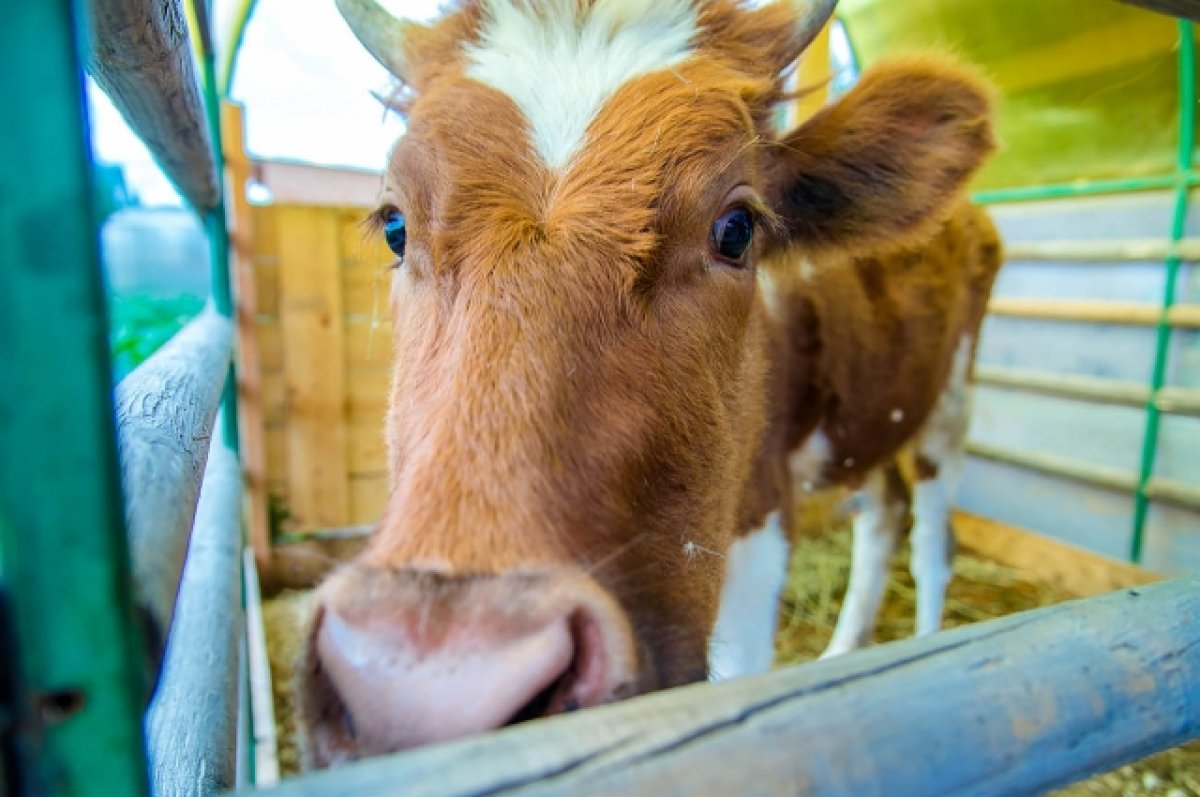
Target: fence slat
{"type": "Point", "coordinates": [192, 723]}
{"type": "Point", "coordinates": [165, 411]}
{"type": "Point", "coordinates": [1013, 706]}
{"type": "Point", "coordinates": [139, 53]}
{"type": "Point", "coordinates": [310, 310]}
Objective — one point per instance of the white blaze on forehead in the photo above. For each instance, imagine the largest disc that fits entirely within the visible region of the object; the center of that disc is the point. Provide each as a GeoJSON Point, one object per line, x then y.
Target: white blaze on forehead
{"type": "Point", "coordinates": [561, 61]}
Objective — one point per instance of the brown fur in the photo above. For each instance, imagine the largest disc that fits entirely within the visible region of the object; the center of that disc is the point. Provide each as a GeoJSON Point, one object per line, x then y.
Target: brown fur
{"type": "Point", "coordinates": [582, 386]}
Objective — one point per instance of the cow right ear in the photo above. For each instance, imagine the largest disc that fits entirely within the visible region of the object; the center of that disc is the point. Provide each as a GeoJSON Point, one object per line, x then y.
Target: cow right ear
{"type": "Point", "coordinates": [884, 163]}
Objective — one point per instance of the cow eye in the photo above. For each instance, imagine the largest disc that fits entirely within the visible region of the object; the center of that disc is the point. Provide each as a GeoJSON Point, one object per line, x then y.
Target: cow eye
{"type": "Point", "coordinates": [732, 233]}
{"type": "Point", "coordinates": [395, 232]}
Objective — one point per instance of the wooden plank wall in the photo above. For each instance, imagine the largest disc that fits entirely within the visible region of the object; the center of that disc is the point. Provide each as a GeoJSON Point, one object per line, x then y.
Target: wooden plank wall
{"type": "Point", "coordinates": [1107, 436]}
{"type": "Point", "coordinates": [325, 340]}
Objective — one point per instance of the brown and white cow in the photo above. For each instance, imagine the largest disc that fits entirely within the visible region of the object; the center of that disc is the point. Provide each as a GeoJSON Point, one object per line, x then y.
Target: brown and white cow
{"type": "Point", "coordinates": [626, 311]}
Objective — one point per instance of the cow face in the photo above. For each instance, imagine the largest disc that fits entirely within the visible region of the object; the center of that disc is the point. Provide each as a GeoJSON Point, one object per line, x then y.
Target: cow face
{"type": "Point", "coordinates": [577, 210]}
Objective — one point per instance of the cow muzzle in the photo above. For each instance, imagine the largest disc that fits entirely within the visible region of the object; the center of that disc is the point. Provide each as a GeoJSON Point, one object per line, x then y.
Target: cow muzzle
{"type": "Point", "coordinates": [397, 659]}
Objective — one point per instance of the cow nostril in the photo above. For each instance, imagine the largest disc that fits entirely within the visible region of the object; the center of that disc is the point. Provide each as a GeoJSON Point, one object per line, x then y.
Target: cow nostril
{"type": "Point", "coordinates": [542, 703]}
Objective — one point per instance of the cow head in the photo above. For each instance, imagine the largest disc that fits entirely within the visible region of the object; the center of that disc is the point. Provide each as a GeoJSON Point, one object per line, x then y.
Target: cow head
{"type": "Point", "coordinates": [579, 210]}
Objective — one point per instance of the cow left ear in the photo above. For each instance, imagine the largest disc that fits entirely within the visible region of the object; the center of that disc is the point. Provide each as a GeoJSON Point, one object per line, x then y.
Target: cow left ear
{"type": "Point", "coordinates": [885, 163]}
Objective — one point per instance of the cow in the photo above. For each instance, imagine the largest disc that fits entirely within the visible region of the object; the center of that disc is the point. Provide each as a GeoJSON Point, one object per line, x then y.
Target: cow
{"type": "Point", "coordinates": [627, 314]}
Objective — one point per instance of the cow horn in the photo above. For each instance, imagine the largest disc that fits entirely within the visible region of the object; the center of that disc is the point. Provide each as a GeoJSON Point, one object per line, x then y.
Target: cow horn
{"type": "Point", "coordinates": [813, 14]}
{"type": "Point", "coordinates": [381, 33]}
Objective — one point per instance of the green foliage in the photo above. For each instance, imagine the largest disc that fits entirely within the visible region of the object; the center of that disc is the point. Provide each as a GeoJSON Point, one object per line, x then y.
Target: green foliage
{"type": "Point", "coordinates": [140, 324]}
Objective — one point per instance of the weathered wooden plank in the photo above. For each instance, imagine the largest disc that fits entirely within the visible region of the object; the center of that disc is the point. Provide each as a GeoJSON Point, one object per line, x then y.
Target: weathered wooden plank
{"type": "Point", "coordinates": [1101, 251]}
{"type": "Point", "coordinates": [314, 365]}
{"type": "Point", "coordinates": [1099, 312]}
{"type": "Point", "coordinates": [139, 53]}
{"type": "Point", "coordinates": [1045, 560]}
{"type": "Point", "coordinates": [1013, 706]}
{"type": "Point", "coordinates": [1176, 400]}
{"type": "Point", "coordinates": [1160, 488]}
{"type": "Point", "coordinates": [191, 726]}
{"type": "Point", "coordinates": [262, 701]}
{"type": "Point", "coordinates": [165, 410]}
{"type": "Point", "coordinates": [1189, 9]}
{"type": "Point", "coordinates": [249, 371]}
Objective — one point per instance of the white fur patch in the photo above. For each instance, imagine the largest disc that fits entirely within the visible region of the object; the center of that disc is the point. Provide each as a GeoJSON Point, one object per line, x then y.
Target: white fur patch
{"type": "Point", "coordinates": [743, 641]}
{"type": "Point", "coordinates": [808, 461]}
{"type": "Point", "coordinates": [560, 61]}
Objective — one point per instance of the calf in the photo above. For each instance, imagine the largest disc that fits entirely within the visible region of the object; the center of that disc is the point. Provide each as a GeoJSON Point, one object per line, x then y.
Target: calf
{"type": "Point", "coordinates": [624, 311]}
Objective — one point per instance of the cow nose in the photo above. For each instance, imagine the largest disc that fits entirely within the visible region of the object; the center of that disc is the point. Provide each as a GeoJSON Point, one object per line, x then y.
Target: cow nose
{"type": "Point", "coordinates": [398, 674]}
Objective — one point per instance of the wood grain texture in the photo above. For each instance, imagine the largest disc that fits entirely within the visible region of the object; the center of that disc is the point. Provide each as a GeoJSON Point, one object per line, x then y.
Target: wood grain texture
{"type": "Point", "coordinates": [1013, 706]}
{"type": "Point", "coordinates": [191, 726]}
{"type": "Point", "coordinates": [1045, 560]}
{"type": "Point", "coordinates": [252, 449]}
{"type": "Point", "coordinates": [1094, 311]}
{"type": "Point", "coordinates": [310, 309]}
{"type": "Point", "coordinates": [1189, 9]}
{"type": "Point", "coordinates": [139, 53]}
{"type": "Point", "coordinates": [165, 410]}
{"type": "Point", "coordinates": [262, 701]}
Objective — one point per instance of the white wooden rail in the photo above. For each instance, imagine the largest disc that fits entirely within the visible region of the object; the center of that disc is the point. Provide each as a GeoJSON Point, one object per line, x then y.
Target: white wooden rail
{"type": "Point", "coordinates": [139, 53]}
{"type": "Point", "coordinates": [191, 726]}
{"type": "Point", "coordinates": [165, 412]}
{"type": "Point", "coordinates": [1013, 706]}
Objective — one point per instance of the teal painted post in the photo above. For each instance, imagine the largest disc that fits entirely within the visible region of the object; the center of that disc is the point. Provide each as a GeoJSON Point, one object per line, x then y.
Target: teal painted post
{"type": "Point", "coordinates": [79, 676]}
{"type": "Point", "coordinates": [214, 218]}
{"type": "Point", "coordinates": [1162, 337]}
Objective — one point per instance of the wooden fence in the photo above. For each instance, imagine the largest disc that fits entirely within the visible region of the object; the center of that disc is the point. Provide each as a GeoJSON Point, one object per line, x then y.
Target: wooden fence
{"type": "Point", "coordinates": [323, 330]}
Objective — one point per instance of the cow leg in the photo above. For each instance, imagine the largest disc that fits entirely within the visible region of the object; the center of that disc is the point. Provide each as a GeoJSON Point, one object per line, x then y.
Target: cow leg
{"type": "Point", "coordinates": [932, 549]}
{"type": "Point", "coordinates": [743, 640]}
{"type": "Point", "coordinates": [939, 461]}
{"type": "Point", "coordinates": [883, 509]}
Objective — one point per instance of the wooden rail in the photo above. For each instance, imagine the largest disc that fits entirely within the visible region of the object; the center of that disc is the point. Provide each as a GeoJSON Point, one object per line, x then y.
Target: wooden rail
{"type": "Point", "coordinates": [1097, 312]}
{"type": "Point", "coordinates": [1013, 706]}
{"type": "Point", "coordinates": [165, 410]}
{"type": "Point", "coordinates": [1175, 400]}
{"type": "Point", "coordinates": [139, 53]}
{"type": "Point", "coordinates": [192, 723]}
{"type": "Point", "coordinates": [1160, 488]}
{"type": "Point", "coordinates": [1116, 251]}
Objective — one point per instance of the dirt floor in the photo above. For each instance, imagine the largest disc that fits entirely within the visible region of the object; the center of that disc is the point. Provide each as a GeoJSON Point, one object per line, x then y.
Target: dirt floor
{"type": "Point", "coordinates": [980, 590]}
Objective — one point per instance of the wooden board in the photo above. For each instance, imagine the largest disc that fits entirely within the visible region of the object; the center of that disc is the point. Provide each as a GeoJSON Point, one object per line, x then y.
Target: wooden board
{"type": "Point", "coordinates": [995, 708]}
{"type": "Point", "coordinates": [1048, 561]}
{"type": "Point", "coordinates": [310, 313]}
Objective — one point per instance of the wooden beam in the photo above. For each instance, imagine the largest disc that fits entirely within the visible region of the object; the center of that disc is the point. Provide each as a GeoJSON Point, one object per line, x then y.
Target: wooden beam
{"type": "Point", "coordinates": [165, 410]}
{"type": "Point", "coordinates": [1158, 488]}
{"type": "Point", "coordinates": [1094, 311]}
{"type": "Point", "coordinates": [140, 55]}
{"type": "Point", "coordinates": [1115, 251]}
{"type": "Point", "coordinates": [319, 186]}
{"type": "Point", "coordinates": [1017, 705]}
{"type": "Point", "coordinates": [262, 699]}
{"type": "Point", "coordinates": [1074, 570]}
{"type": "Point", "coordinates": [1175, 400]}
{"type": "Point", "coordinates": [252, 448]}
{"type": "Point", "coordinates": [1189, 9]}
{"type": "Point", "coordinates": [191, 727]}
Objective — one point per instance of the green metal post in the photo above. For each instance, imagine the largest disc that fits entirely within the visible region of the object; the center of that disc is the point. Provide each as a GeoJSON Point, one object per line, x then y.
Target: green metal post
{"type": "Point", "coordinates": [1162, 338]}
{"type": "Point", "coordinates": [79, 678]}
{"type": "Point", "coordinates": [214, 219]}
